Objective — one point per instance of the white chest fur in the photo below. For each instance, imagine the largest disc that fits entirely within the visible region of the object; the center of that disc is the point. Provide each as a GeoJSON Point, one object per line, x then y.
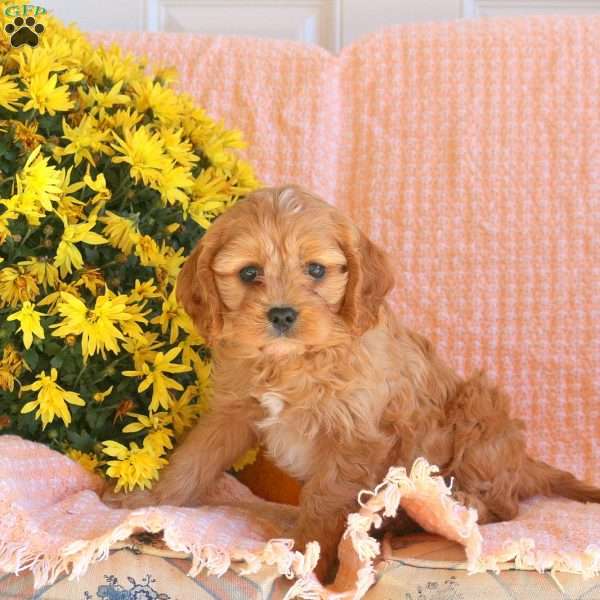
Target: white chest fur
{"type": "Point", "coordinates": [287, 446]}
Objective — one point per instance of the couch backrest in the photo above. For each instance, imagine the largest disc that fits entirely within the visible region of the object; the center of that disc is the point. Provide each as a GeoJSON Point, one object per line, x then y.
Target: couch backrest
{"type": "Point", "coordinates": [471, 152]}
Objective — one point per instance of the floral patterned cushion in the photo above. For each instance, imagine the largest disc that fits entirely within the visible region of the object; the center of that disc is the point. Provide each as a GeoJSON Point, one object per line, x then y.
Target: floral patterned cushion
{"type": "Point", "coordinates": [128, 574]}
{"type": "Point", "coordinates": [417, 567]}
{"type": "Point", "coordinates": [429, 567]}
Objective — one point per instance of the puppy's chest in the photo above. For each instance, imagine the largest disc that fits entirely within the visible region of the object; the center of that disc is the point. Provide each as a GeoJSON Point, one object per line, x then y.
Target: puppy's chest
{"type": "Point", "coordinates": [288, 435]}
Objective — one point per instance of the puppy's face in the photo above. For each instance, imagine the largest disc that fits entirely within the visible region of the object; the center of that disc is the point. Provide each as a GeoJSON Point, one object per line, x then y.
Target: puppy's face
{"type": "Point", "coordinates": [282, 272]}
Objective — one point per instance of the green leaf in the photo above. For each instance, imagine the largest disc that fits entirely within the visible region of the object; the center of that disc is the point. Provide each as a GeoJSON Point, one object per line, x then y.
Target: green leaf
{"type": "Point", "coordinates": [52, 348]}
{"type": "Point", "coordinates": [102, 416]}
{"type": "Point", "coordinates": [91, 254]}
{"type": "Point", "coordinates": [91, 417]}
{"type": "Point", "coordinates": [31, 358]}
{"type": "Point", "coordinates": [57, 361]}
{"type": "Point", "coordinates": [80, 441]}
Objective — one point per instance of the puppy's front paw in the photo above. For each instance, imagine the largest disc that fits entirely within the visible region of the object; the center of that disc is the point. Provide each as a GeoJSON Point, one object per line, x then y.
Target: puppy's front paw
{"type": "Point", "coordinates": [137, 499]}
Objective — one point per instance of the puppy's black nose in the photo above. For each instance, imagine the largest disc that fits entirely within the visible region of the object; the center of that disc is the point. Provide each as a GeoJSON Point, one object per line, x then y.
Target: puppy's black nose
{"type": "Point", "coordinates": [282, 317]}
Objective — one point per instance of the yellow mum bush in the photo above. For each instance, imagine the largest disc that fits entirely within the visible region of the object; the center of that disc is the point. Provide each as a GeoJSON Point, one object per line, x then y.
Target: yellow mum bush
{"type": "Point", "coordinates": [108, 177]}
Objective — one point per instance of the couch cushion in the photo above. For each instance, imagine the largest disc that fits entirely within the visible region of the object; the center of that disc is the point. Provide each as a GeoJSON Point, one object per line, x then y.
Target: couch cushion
{"type": "Point", "coordinates": [428, 567]}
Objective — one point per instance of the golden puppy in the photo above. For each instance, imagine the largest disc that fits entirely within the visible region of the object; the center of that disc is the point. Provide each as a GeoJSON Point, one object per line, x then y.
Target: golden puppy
{"type": "Point", "coordinates": [310, 362]}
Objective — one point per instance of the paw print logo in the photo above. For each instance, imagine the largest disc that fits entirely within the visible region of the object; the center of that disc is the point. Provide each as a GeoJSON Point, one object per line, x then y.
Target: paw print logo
{"type": "Point", "coordinates": [24, 31]}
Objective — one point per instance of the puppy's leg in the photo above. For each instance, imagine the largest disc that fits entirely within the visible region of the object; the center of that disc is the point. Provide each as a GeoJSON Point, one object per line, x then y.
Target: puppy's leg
{"type": "Point", "coordinates": [325, 502]}
{"type": "Point", "coordinates": [206, 452]}
{"type": "Point", "coordinates": [489, 450]}
{"type": "Point", "coordinates": [484, 515]}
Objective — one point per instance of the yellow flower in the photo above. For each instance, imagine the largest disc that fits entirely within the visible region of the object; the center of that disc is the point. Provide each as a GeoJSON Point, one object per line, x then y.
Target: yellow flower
{"type": "Point", "coordinates": [30, 323]}
{"type": "Point", "coordinates": [159, 439]}
{"type": "Point", "coordinates": [7, 379]}
{"type": "Point", "coordinates": [121, 232]}
{"type": "Point", "coordinates": [143, 348]}
{"type": "Point", "coordinates": [68, 206]}
{"type": "Point", "coordinates": [203, 372]}
{"type": "Point", "coordinates": [11, 366]}
{"type": "Point", "coordinates": [71, 76]}
{"type": "Point", "coordinates": [46, 96]}
{"type": "Point", "coordinates": [217, 148]}
{"type": "Point", "coordinates": [17, 286]}
{"type": "Point", "coordinates": [242, 180]}
{"type": "Point", "coordinates": [189, 354]}
{"type": "Point", "coordinates": [86, 140]}
{"type": "Point", "coordinates": [115, 66]}
{"type": "Point", "coordinates": [136, 311]}
{"type": "Point", "coordinates": [163, 101]}
{"type": "Point", "coordinates": [182, 152]}
{"type": "Point", "coordinates": [144, 152]}
{"type": "Point", "coordinates": [158, 420]}
{"type": "Point", "coordinates": [5, 218]}
{"type": "Point", "coordinates": [143, 291]}
{"type": "Point", "coordinates": [183, 412]}
{"type": "Point", "coordinates": [39, 181]}
{"type": "Point", "coordinates": [97, 326]}
{"type": "Point", "coordinates": [154, 376]}
{"type": "Point", "coordinates": [246, 459]}
{"type": "Point", "coordinates": [149, 252]}
{"type": "Point", "coordinates": [173, 261]}
{"type": "Point", "coordinates": [62, 288]}
{"type": "Point", "coordinates": [166, 74]}
{"type": "Point", "coordinates": [85, 459]}
{"type": "Point", "coordinates": [120, 119]}
{"type": "Point", "coordinates": [99, 186]}
{"type": "Point", "coordinates": [134, 466]}
{"type": "Point", "coordinates": [210, 186]}
{"type": "Point", "coordinates": [51, 400]}
{"type": "Point", "coordinates": [210, 197]}
{"type": "Point", "coordinates": [42, 269]}
{"type": "Point", "coordinates": [97, 99]}
{"type": "Point", "coordinates": [174, 183]}
{"type": "Point", "coordinates": [198, 126]}
{"type": "Point", "coordinates": [68, 255]}
{"type": "Point", "coordinates": [38, 62]}
{"type": "Point", "coordinates": [27, 134]}
{"type": "Point", "coordinates": [99, 397]}
{"type": "Point", "coordinates": [22, 204]}
{"type": "Point", "coordinates": [172, 317]}
{"type": "Point", "coordinates": [201, 213]}
{"type": "Point", "coordinates": [9, 92]}
{"type": "Point", "coordinates": [92, 279]}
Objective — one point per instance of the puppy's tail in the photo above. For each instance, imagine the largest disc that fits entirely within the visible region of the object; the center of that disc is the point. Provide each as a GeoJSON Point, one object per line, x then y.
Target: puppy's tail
{"type": "Point", "coordinates": [542, 478]}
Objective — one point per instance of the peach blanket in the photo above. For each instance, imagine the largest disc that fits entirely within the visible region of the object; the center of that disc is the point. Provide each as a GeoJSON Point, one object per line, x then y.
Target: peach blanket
{"type": "Point", "coordinates": [52, 520]}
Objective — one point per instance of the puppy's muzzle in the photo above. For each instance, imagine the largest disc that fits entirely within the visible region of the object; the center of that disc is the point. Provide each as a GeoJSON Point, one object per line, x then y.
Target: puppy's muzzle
{"type": "Point", "coordinates": [282, 318]}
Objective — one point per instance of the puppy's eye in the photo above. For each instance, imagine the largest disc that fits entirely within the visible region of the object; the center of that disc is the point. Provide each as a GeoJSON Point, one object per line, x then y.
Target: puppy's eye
{"type": "Point", "coordinates": [316, 271]}
{"type": "Point", "coordinates": [249, 274]}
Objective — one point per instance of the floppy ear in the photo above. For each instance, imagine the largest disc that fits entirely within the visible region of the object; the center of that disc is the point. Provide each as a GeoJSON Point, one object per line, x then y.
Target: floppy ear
{"type": "Point", "coordinates": [196, 289]}
{"type": "Point", "coordinates": [369, 280]}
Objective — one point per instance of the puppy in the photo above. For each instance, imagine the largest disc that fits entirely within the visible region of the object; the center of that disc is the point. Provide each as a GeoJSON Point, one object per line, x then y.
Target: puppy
{"type": "Point", "coordinates": [310, 362]}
